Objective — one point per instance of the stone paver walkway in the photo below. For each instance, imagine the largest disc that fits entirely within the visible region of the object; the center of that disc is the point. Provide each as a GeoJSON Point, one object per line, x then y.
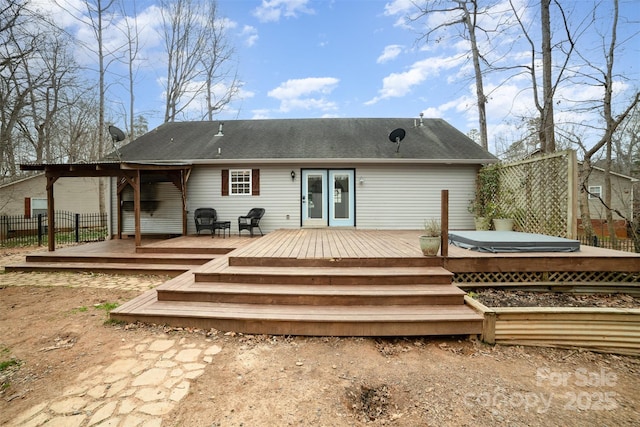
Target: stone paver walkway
{"type": "Point", "coordinates": [146, 382]}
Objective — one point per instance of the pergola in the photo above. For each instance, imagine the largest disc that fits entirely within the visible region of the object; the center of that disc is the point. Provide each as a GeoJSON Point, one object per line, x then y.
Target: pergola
{"type": "Point", "coordinates": [127, 173]}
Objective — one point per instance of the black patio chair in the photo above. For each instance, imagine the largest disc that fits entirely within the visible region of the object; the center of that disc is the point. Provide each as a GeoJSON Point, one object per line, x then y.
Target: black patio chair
{"type": "Point", "coordinates": [251, 221]}
{"type": "Point", "coordinates": [205, 219]}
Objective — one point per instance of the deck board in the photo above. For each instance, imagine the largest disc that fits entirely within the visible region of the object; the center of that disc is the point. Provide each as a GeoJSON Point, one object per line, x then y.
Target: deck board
{"type": "Point", "coordinates": [339, 282]}
{"type": "Point", "coordinates": [352, 244]}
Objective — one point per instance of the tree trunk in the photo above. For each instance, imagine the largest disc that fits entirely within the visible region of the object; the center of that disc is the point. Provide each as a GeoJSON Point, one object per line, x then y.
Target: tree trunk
{"type": "Point", "coordinates": [547, 126]}
{"type": "Point", "coordinates": [584, 170]}
{"type": "Point", "coordinates": [470, 21]}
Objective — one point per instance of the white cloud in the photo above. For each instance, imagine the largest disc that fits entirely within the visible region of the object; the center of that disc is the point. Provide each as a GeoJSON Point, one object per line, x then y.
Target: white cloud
{"type": "Point", "coordinates": [250, 35]}
{"type": "Point", "coordinates": [260, 114]}
{"type": "Point", "coordinates": [390, 52]}
{"type": "Point", "coordinates": [61, 12]}
{"type": "Point", "coordinates": [296, 88]}
{"type": "Point", "coordinates": [273, 10]}
{"type": "Point", "coordinates": [396, 85]}
{"type": "Point", "coordinates": [302, 94]}
{"type": "Point", "coordinates": [400, 8]}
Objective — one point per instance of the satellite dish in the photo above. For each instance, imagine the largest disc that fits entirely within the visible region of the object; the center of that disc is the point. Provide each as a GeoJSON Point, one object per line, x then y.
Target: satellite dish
{"type": "Point", "coordinates": [396, 136]}
{"type": "Point", "coordinates": [117, 134]}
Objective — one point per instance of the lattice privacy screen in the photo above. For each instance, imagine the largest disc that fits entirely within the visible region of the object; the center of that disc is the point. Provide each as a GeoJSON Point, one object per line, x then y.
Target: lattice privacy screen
{"type": "Point", "coordinates": [540, 194]}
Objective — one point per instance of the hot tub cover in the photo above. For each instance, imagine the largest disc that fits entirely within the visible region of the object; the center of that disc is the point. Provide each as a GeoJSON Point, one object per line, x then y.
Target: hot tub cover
{"type": "Point", "coordinates": [511, 241]}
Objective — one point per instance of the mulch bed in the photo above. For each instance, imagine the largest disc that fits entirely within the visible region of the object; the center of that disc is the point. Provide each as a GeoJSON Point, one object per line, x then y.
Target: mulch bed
{"type": "Point", "coordinates": [518, 298]}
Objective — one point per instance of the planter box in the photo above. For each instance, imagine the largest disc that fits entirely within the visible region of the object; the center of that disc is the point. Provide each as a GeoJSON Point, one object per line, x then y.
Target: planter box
{"type": "Point", "coordinates": [605, 330]}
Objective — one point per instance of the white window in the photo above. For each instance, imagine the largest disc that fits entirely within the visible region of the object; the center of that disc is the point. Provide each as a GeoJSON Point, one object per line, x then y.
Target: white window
{"type": "Point", "coordinates": [595, 192]}
{"type": "Point", "coordinates": [240, 182]}
{"type": "Point", "coordinates": [38, 206]}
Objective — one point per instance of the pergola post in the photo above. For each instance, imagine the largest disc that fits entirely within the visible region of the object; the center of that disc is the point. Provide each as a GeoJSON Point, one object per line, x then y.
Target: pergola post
{"type": "Point", "coordinates": [136, 207]}
{"type": "Point", "coordinates": [51, 213]}
{"type": "Point", "coordinates": [126, 173]}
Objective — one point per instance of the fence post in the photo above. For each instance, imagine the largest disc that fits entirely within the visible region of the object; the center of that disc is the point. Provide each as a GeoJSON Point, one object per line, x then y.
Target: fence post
{"type": "Point", "coordinates": [39, 229]}
{"type": "Point", "coordinates": [4, 227]}
{"type": "Point", "coordinates": [77, 227]}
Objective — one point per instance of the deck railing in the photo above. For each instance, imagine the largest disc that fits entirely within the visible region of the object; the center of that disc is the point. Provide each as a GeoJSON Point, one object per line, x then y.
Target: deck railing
{"type": "Point", "coordinates": [19, 230]}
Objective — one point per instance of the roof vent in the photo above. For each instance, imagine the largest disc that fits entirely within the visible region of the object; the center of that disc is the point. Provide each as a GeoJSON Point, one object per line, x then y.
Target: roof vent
{"type": "Point", "coordinates": [220, 130]}
{"type": "Point", "coordinates": [421, 122]}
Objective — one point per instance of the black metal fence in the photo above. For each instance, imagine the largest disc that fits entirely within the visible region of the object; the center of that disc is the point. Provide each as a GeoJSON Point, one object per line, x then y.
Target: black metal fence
{"type": "Point", "coordinates": [18, 230]}
{"type": "Point", "coordinates": [604, 242]}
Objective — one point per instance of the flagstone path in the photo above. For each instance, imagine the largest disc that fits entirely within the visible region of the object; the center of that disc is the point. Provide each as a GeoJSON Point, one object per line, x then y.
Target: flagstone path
{"type": "Point", "coordinates": [146, 382]}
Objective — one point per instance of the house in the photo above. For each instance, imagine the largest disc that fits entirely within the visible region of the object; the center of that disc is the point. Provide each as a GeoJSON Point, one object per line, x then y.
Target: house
{"type": "Point", "coordinates": [28, 196]}
{"type": "Point", "coordinates": [305, 173]}
{"type": "Point", "coordinates": [622, 200]}
{"type": "Point", "coordinates": [367, 173]}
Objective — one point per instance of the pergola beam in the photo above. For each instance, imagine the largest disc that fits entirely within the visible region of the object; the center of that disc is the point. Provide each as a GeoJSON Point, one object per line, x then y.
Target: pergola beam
{"type": "Point", "coordinates": [127, 174]}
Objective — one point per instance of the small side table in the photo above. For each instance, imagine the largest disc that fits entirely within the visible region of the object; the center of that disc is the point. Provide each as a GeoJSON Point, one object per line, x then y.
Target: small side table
{"type": "Point", "coordinates": [222, 225]}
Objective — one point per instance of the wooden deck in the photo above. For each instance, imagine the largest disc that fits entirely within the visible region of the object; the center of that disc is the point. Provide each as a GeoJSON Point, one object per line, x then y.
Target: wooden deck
{"type": "Point", "coordinates": [317, 281]}
{"type": "Point", "coordinates": [161, 256]}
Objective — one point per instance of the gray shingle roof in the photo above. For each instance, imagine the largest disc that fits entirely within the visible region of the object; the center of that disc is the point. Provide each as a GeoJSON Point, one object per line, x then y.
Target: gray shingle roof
{"type": "Point", "coordinates": [299, 139]}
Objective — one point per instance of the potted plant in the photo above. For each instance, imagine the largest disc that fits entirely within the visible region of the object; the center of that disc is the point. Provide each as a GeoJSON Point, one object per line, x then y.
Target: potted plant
{"type": "Point", "coordinates": [430, 240]}
{"type": "Point", "coordinates": [499, 212]}
{"type": "Point", "coordinates": [482, 222]}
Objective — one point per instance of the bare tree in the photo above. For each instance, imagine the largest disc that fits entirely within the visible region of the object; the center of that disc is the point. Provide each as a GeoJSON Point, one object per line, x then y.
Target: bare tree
{"type": "Point", "coordinates": [626, 145]}
{"type": "Point", "coordinates": [465, 14]}
{"type": "Point", "coordinates": [605, 79]}
{"type": "Point", "coordinates": [217, 65]}
{"type": "Point", "coordinates": [96, 15]}
{"type": "Point", "coordinates": [565, 48]}
{"type": "Point", "coordinates": [197, 57]}
{"type": "Point", "coordinates": [132, 49]}
{"type": "Point", "coordinates": [96, 12]}
{"type": "Point", "coordinates": [140, 126]}
{"type": "Point", "coordinates": [52, 72]}
{"type": "Point", "coordinates": [16, 47]}
{"type": "Point", "coordinates": [10, 14]}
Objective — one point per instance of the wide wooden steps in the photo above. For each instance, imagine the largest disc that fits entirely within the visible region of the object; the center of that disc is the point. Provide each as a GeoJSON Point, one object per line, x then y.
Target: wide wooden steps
{"type": "Point", "coordinates": [309, 320]}
{"type": "Point", "coordinates": [135, 258]}
{"type": "Point", "coordinates": [324, 275]}
{"type": "Point", "coordinates": [104, 268]}
{"type": "Point", "coordinates": [336, 295]}
{"type": "Point", "coordinates": [320, 301]}
{"type": "Point", "coordinates": [133, 263]}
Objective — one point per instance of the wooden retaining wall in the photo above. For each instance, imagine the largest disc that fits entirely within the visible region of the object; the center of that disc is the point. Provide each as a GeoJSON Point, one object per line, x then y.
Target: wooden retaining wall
{"type": "Point", "coordinates": [606, 330]}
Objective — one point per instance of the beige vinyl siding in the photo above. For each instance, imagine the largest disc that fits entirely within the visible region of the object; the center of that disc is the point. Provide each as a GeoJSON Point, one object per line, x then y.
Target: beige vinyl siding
{"type": "Point", "coordinates": [77, 195]}
{"type": "Point", "coordinates": [399, 197]}
{"type": "Point", "coordinates": [403, 197]}
{"type": "Point", "coordinates": [621, 196]}
{"type": "Point", "coordinates": [161, 211]}
{"type": "Point", "coordinates": [279, 196]}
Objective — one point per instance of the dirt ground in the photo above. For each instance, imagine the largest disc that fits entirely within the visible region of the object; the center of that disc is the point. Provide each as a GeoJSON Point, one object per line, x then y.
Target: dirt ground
{"type": "Point", "coordinates": [49, 333]}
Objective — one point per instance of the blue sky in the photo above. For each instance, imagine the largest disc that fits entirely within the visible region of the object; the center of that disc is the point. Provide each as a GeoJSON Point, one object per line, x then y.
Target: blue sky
{"type": "Point", "coordinates": [362, 58]}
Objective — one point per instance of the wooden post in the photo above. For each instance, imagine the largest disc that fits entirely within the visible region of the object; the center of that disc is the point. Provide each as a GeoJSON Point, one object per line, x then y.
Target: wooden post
{"type": "Point", "coordinates": [51, 214]}
{"type": "Point", "coordinates": [444, 223]}
{"type": "Point", "coordinates": [136, 207]}
{"type": "Point", "coordinates": [183, 191]}
{"type": "Point", "coordinates": [119, 214]}
{"type": "Point", "coordinates": [489, 327]}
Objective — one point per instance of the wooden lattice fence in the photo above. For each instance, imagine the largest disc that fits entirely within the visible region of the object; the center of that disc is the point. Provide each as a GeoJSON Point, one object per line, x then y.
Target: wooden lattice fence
{"type": "Point", "coordinates": [540, 194]}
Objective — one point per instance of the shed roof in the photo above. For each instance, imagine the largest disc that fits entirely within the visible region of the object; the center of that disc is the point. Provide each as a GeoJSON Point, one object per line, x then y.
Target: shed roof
{"type": "Point", "coordinates": [286, 140]}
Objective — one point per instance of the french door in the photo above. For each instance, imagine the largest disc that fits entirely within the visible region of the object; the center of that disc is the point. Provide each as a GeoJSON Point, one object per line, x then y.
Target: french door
{"type": "Point", "coordinates": [328, 198]}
